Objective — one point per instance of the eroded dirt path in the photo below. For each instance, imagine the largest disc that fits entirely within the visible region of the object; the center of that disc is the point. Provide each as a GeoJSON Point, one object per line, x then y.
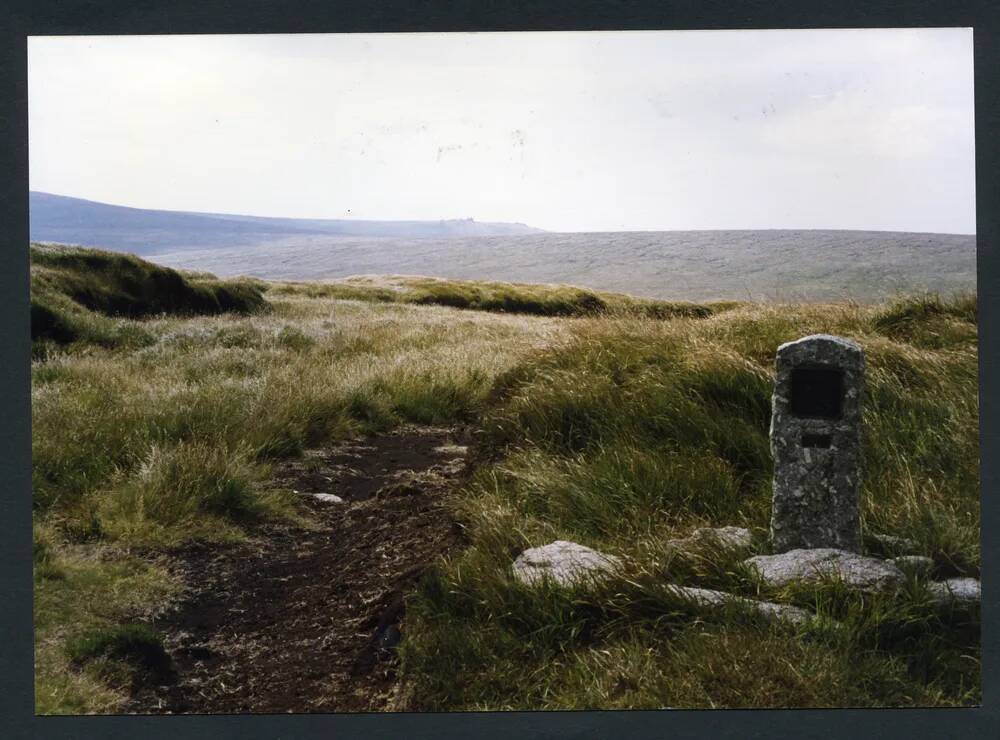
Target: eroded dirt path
{"type": "Point", "coordinates": [306, 620]}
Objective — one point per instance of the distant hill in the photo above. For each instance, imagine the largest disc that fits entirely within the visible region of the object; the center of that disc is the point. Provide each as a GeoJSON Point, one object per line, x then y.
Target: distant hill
{"type": "Point", "coordinates": [57, 218]}
{"type": "Point", "coordinates": [782, 264]}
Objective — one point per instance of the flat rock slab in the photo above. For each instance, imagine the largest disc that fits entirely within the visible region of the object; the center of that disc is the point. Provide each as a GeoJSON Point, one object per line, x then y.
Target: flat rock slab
{"type": "Point", "coordinates": [812, 565]}
{"type": "Point", "coordinates": [723, 538]}
{"type": "Point", "coordinates": [706, 597]}
{"type": "Point", "coordinates": [956, 591]}
{"type": "Point", "coordinates": [562, 562]}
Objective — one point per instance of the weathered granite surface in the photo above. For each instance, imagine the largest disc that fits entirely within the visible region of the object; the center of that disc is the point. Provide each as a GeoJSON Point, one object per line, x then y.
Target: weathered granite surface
{"type": "Point", "coordinates": [562, 562]}
{"type": "Point", "coordinates": [706, 597]}
{"type": "Point", "coordinates": [956, 590]}
{"type": "Point", "coordinates": [817, 461]}
{"type": "Point", "coordinates": [856, 571]}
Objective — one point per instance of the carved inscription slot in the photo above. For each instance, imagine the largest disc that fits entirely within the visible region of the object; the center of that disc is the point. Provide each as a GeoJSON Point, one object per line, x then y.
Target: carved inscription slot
{"type": "Point", "coordinates": [817, 392]}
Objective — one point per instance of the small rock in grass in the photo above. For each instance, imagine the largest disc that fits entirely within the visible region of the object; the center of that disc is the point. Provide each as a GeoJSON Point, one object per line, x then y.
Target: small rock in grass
{"type": "Point", "coordinates": [725, 538]}
{"type": "Point", "coordinates": [562, 562]}
{"type": "Point", "coordinates": [914, 563]}
{"type": "Point", "coordinates": [706, 597]}
{"type": "Point", "coordinates": [956, 590]}
{"type": "Point", "coordinates": [328, 498]}
{"type": "Point", "coordinates": [856, 571]}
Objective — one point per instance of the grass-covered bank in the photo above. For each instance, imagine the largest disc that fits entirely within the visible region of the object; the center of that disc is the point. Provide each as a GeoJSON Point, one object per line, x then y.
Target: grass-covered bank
{"type": "Point", "coordinates": [612, 428]}
{"type": "Point", "coordinates": [139, 447]}
{"type": "Point", "coordinates": [483, 295]}
{"type": "Point", "coordinates": [76, 293]}
{"type": "Point", "coordinates": [634, 432]}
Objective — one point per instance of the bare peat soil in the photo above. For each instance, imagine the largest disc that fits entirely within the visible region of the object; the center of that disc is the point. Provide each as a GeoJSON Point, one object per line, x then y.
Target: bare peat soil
{"type": "Point", "coordinates": [306, 619]}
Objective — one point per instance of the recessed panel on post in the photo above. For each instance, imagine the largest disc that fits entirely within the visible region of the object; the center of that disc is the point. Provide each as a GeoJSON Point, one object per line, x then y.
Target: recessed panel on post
{"type": "Point", "coordinates": [816, 444]}
{"type": "Point", "coordinates": [817, 392]}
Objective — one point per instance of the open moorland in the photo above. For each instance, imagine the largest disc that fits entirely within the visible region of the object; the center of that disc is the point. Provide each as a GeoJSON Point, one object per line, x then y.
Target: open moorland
{"type": "Point", "coordinates": [782, 265]}
{"type": "Point", "coordinates": [280, 496]}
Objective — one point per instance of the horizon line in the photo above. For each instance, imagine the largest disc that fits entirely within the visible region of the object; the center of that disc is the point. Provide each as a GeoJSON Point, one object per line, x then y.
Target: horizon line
{"type": "Point", "coordinates": [209, 214]}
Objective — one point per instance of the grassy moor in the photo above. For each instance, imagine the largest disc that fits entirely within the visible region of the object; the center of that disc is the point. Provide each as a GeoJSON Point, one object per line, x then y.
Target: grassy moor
{"type": "Point", "coordinates": [186, 429]}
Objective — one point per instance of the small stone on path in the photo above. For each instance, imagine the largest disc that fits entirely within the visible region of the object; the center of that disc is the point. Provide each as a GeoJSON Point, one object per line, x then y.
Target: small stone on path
{"type": "Point", "coordinates": [328, 498]}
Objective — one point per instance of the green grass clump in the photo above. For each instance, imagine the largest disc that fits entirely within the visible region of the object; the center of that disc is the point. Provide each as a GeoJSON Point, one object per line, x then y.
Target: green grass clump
{"type": "Point", "coordinates": [98, 591]}
{"type": "Point", "coordinates": [182, 489]}
{"type": "Point", "coordinates": [516, 298]}
{"type": "Point", "coordinates": [930, 320]}
{"type": "Point", "coordinates": [76, 295]}
{"type": "Point", "coordinates": [135, 643]}
{"type": "Point", "coordinates": [633, 432]}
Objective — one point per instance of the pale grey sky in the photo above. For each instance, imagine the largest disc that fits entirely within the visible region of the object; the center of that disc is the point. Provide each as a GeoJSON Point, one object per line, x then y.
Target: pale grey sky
{"type": "Point", "coordinates": [568, 131]}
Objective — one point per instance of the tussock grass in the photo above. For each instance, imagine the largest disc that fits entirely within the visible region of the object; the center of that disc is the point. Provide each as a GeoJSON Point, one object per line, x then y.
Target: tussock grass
{"type": "Point", "coordinates": [619, 429]}
{"type": "Point", "coordinates": [76, 294]}
{"type": "Point", "coordinates": [930, 321]}
{"type": "Point", "coordinates": [637, 431]}
{"type": "Point", "coordinates": [136, 644]}
{"type": "Point", "coordinates": [517, 298]}
{"type": "Point", "coordinates": [96, 592]}
{"type": "Point", "coordinates": [184, 490]}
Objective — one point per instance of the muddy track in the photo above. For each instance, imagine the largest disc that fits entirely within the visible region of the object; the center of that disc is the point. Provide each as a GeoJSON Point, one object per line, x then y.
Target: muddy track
{"type": "Point", "coordinates": [307, 619]}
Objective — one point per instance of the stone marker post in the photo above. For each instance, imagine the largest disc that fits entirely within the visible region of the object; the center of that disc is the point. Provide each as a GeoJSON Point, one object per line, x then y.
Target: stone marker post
{"type": "Point", "coordinates": [816, 444]}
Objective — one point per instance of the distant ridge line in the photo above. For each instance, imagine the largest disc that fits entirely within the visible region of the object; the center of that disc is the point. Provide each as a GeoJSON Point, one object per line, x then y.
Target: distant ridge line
{"type": "Point", "coordinates": [61, 218]}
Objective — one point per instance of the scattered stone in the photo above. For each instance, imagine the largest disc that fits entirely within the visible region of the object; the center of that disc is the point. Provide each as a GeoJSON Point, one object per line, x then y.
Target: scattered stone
{"type": "Point", "coordinates": [457, 450]}
{"type": "Point", "coordinates": [856, 571]}
{"type": "Point", "coordinates": [328, 498]}
{"type": "Point", "coordinates": [816, 444]}
{"type": "Point", "coordinates": [956, 591]}
{"type": "Point", "coordinates": [563, 562]}
{"type": "Point", "coordinates": [724, 538]}
{"type": "Point", "coordinates": [887, 543]}
{"type": "Point", "coordinates": [914, 563]}
{"type": "Point", "coordinates": [775, 612]}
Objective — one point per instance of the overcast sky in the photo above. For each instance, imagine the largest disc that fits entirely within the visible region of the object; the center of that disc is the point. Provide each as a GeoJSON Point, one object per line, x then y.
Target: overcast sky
{"type": "Point", "coordinates": [866, 129]}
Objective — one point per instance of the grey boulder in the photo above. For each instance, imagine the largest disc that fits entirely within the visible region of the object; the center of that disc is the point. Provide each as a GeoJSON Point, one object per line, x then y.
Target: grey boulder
{"type": "Point", "coordinates": [705, 597]}
{"type": "Point", "coordinates": [956, 591]}
{"type": "Point", "coordinates": [562, 562]}
{"type": "Point", "coordinates": [826, 563]}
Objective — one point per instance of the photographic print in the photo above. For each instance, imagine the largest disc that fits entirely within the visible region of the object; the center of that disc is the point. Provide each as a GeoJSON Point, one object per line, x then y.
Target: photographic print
{"type": "Point", "coordinates": [504, 371]}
